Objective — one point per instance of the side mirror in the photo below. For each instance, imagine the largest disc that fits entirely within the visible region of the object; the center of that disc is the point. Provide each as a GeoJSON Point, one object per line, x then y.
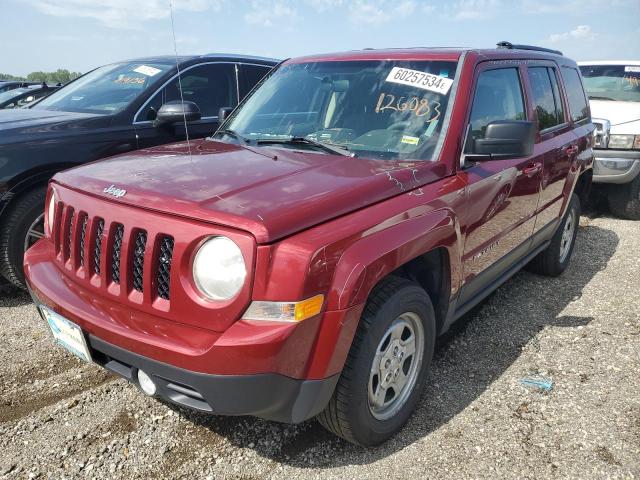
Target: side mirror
{"type": "Point", "coordinates": [223, 113]}
{"type": "Point", "coordinates": [177, 111]}
{"type": "Point", "coordinates": [504, 139]}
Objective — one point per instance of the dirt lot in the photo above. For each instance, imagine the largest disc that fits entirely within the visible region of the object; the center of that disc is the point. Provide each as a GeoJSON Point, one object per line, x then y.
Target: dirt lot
{"type": "Point", "coordinates": [61, 418]}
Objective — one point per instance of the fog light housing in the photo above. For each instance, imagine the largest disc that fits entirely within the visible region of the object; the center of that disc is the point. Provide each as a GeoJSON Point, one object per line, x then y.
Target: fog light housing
{"type": "Point", "coordinates": [147, 385]}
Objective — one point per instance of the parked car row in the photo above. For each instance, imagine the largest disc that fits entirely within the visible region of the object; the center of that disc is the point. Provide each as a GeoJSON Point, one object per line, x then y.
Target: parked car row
{"type": "Point", "coordinates": [23, 96]}
{"type": "Point", "coordinates": [6, 85]}
{"type": "Point", "coordinates": [110, 110]}
{"type": "Point", "coordinates": [302, 260]}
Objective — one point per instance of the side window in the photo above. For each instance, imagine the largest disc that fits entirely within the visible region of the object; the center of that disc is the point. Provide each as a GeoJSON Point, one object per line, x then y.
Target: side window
{"type": "Point", "coordinates": [546, 98]}
{"type": "Point", "coordinates": [250, 75]}
{"type": "Point", "coordinates": [575, 94]}
{"type": "Point", "coordinates": [209, 86]}
{"type": "Point", "coordinates": [498, 96]}
{"type": "Point", "coordinates": [557, 98]}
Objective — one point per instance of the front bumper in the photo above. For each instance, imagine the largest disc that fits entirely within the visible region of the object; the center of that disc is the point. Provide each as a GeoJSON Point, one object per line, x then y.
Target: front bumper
{"type": "Point", "coordinates": [270, 396]}
{"type": "Point", "coordinates": [616, 166]}
{"type": "Point", "coordinates": [281, 372]}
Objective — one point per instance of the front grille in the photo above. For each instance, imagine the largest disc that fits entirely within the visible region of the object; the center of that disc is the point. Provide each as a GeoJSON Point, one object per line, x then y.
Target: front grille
{"type": "Point", "coordinates": [138, 260]}
{"type": "Point", "coordinates": [83, 239]}
{"type": "Point", "coordinates": [118, 236]}
{"type": "Point", "coordinates": [164, 267]}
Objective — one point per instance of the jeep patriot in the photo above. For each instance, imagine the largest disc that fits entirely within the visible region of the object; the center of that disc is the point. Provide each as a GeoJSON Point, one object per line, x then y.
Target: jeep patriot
{"type": "Point", "coordinates": [302, 261]}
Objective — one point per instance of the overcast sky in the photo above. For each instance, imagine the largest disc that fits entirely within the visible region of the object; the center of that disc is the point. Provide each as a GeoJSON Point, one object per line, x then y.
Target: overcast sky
{"type": "Point", "coordinates": [82, 34]}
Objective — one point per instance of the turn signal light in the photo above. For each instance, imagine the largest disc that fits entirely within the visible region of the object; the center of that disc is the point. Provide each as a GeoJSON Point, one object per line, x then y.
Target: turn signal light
{"type": "Point", "coordinates": [285, 311]}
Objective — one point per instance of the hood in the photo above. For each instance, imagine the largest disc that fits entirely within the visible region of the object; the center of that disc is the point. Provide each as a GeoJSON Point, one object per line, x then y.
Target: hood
{"type": "Point", "coordinates": [246, 187]}
{"type": "Point", "coordinates": [18, 122]}
{"type": "Point", "coordinates": [624, 116]}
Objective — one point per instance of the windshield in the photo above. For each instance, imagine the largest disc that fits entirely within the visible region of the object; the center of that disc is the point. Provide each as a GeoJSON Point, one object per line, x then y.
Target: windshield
{"type": "Point", "coordinates": [378, 109]}
{"type": "Point", "coordinates": [612, 82]}
{"type": "Point", "coordinates": [106, 90]}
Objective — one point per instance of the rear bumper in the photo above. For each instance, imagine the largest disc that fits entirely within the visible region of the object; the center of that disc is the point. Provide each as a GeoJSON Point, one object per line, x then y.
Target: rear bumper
{"type": "Point", "coordinates": [616, 166]}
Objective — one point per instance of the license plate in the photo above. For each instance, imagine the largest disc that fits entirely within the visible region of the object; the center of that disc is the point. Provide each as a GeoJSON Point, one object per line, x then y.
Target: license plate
{"type": "Point", "coordinates": [67, 334]}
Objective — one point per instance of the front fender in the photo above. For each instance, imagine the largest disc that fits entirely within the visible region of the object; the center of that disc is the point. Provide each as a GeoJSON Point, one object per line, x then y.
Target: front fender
{"type": "Point", "coordinates": [363, 265]}
{"type": "Point", "coordinates": [373, 257]}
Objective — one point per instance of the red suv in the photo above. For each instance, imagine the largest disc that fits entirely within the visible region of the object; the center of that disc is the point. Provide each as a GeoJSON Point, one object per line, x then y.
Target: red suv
{"type": "Point", "coordinates": [303, 260]}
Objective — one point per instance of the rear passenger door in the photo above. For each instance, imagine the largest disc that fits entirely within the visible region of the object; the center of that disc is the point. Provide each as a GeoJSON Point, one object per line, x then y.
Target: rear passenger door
{"type": "Point", "coordinates": [556, 145]}
{"type": "Point", "coordinates": [502, 194]}
{"type": "Point", "coordinates": [210, 86]}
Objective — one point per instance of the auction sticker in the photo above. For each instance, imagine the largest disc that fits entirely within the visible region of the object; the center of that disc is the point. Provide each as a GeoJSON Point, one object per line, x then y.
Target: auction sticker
{"type": "Point", "coordinates": [147, 70]}
{"type": "Point", "coordinates": [415, 78]}
{"type": "Point", "coordinates": [632, 68]}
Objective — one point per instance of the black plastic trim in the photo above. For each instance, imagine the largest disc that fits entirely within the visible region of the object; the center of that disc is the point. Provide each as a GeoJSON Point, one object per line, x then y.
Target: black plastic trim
{"type": "Point", "coordinates": [270, 396]}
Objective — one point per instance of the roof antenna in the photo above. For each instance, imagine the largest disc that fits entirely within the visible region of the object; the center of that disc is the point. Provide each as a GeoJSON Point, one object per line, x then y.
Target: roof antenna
{"type": "Point", "coordinates": [175, 50]}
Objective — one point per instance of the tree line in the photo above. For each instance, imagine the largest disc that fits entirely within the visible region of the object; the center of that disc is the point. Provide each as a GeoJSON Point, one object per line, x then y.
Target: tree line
{"type": "Point", "coordinates": [59, 76]}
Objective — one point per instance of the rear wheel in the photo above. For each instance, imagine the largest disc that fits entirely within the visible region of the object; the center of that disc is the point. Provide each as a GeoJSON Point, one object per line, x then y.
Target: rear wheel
{"type": "Point", "coordinates": [386, 368]}
{"type": "Point", "coordinates": [624, 200]}
{"type": "Point", "coordinates": [22, 226]}
{"type": "Point", "coordinates": [555, 258]}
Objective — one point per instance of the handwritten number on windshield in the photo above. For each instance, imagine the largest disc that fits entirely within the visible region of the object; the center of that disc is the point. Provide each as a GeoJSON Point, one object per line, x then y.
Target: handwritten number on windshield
{"type": "Point", "coordinates": [421, 107]}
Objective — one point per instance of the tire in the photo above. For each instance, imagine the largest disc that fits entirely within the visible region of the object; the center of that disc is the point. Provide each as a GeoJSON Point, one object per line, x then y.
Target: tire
{"type": "Point", "coordinates": [555, 258]}
{"type": "Point", "coordinates": [350, 413]}
{"type": "Point", "coordinates": [624, 200]}
{"type": "Point", "coordinates": [17, 221]}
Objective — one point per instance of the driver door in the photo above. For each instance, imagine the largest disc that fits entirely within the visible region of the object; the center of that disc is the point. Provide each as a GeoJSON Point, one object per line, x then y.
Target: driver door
{"type": "Point", "coordinates": [210, 86]}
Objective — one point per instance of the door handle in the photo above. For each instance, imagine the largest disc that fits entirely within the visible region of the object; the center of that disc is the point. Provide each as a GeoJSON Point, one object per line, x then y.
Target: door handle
{"type": "Point", "coordinates": [570, 150]}
{"type": "Point", "coordinates": [533, 169]}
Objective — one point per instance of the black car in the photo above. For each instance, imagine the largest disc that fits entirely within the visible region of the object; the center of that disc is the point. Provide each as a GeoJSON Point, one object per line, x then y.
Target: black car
{"type": "Point", "coordinates": [6, 85]}
{"type": "Point", "coordinates": [110, 110]}
{"type": "Point", "coordinates": [23, 96]}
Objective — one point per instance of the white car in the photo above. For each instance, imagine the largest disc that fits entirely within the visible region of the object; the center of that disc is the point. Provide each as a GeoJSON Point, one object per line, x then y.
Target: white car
{"type": "Point", "coordinates": [614, 94]}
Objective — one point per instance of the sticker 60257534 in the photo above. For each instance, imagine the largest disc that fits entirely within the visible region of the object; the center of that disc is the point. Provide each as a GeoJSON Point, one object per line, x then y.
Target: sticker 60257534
{"type": "Point", "coordinates": [415, 78]}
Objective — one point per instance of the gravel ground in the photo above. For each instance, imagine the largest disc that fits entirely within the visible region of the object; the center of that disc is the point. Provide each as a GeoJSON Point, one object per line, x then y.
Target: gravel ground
{"type": "Point", "coordinates": [62, 418]}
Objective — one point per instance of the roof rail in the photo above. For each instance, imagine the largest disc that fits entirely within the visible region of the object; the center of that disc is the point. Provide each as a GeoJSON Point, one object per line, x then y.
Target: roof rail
{"type": "Point", "coordinates": [510, 46]}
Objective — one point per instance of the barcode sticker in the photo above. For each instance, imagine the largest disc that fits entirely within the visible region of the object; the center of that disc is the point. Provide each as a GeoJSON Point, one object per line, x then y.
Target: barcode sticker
{"type": "Point", "coordinates": [415, 78]}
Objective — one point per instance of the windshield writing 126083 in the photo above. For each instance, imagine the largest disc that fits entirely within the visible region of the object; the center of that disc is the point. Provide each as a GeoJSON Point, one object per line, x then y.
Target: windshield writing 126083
{"type": "Point", "coordinates": [421, 107]}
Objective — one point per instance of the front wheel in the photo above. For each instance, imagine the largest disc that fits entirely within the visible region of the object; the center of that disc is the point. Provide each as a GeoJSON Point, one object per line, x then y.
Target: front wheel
{"type": "Point", "coordinates": [22, 226]}
{"type": "Point", "coordinates": [386, 368]}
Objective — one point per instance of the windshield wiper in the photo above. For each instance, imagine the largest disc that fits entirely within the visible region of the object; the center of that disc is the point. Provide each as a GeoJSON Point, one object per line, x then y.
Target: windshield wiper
{"type": "Point", "coordinates": [234, 134]}
{"type": "Point", "coordinates": [344, 151]}
{"type": "Point", "coordinates": [596, 97]}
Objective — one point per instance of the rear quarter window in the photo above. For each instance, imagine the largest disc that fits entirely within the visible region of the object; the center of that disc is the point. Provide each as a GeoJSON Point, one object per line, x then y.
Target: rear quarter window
{"type": "Point", "coordinates": [546, 97]}
{"type": "Point", "coordinates": [575, 94]}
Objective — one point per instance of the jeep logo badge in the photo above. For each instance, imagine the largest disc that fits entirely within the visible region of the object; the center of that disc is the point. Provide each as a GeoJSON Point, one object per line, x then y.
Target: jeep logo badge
{"type": "Point", "coordinates": [116, 192]}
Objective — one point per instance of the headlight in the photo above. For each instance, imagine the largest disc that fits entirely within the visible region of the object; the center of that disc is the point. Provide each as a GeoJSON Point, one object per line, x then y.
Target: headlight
{"type": "Point", "coordinates": [51, 211]}
{"type": "Point", "coordinates": [218, 269]}
{"type": "Point", "coordinates": [624, 142]}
